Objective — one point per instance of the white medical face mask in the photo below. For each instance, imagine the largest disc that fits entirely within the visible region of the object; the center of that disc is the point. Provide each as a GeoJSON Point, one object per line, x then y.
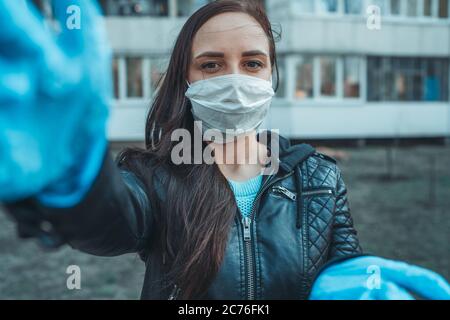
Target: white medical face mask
{"type": "Point", "coordinates": [233, 101]}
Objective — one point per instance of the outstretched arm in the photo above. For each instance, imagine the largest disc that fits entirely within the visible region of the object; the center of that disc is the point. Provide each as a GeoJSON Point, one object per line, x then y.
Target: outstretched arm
{"type": "Point", "coordinates": [57, 178]}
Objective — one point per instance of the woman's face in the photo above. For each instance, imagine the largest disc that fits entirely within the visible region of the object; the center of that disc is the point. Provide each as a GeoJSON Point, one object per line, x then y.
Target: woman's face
{"type": "Point", "coordinates": [230, 43]}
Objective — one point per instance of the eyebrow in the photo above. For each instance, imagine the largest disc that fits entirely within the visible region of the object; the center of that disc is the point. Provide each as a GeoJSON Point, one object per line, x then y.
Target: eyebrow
{"type": "Point", "coordinates": [254, 53]}
{"type": "Point", "coordinates": [216, 54]}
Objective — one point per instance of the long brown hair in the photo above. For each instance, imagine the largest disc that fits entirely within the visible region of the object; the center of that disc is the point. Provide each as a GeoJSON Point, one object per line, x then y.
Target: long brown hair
{"type": "Point", "coordinates": [195, 220]}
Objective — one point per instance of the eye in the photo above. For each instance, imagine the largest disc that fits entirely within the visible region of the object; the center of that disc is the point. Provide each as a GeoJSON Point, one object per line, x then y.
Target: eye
{"type": "Point", "coordinates": [254, 65]}
{"type": "Point", "coordinates": [210, 67]}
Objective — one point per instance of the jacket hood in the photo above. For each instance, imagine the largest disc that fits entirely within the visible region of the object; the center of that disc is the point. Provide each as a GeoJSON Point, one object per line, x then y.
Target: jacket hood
{"type": "Point", "coordinates": [289, 155]}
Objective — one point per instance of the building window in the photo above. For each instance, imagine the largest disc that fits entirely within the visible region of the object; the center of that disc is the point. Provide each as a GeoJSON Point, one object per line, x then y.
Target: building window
{"type": "Point", "coordinates": [353, 6]}
{"type": "Point", "coordinates": [427, 8]}
{"type": "Point", "coordinates": [408, 79]}
{"type": "Point", "coordinates": [352, 81]}
{"type": "Point", "coordinates": [436, 80]}
{"type": "Point", "coordinates": [158, 69]}
{"type": "Point", "coordinates": [116, 79]}
{"type": "Point", "coordinates": [382, 4]}
{"type": "Point", "coordinates": [395, 7]}
{"type": "Point", "coordinates": [411, 8]}
{"type": "Point", "coordinates": [443, 9]}
{"type": "Point", "coordinates": [135, 7]}
{"type": "Point", "coordinates": [327, 76]}
{"type": "Point", "coordinates": [420, 8]}
{"type": "Point", "coordinates": [137, 78]}
{"type": "Point", "coordinates": [304, 82]}
{"type": "Point", "coordinates": [327, 6]}
{"type": "Point", "coordinates": [134, 78]}
{"type": "Point", "coordinates": [331, 76]}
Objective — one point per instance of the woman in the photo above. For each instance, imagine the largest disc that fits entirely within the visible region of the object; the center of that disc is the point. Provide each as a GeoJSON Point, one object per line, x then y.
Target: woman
{"type": "Point", "coordinates": [223, 230]}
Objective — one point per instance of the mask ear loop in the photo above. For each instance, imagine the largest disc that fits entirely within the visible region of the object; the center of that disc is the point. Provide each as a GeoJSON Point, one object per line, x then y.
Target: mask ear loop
{"type": "Point", "coordinates": [188, 84]}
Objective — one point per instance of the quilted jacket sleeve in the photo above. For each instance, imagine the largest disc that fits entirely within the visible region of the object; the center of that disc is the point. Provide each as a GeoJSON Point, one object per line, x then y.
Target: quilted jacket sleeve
{"type": "Point", "coordinates": [113, 219]}
{"type": "Point", "coordinates": [344, 240]}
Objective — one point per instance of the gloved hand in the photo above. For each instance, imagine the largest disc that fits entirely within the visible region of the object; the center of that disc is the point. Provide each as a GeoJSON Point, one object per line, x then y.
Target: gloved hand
{"type": "Point", "coordinates": [55, 88]}
{"type": "Point", "coordinates": [374, 278]}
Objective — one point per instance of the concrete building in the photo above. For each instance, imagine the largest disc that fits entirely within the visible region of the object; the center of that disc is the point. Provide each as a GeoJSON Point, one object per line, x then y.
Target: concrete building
{"type": "Point", "coordinates": [348, 68]}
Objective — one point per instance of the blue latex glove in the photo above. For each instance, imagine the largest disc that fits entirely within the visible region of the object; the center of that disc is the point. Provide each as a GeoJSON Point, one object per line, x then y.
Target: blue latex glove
{"type": "Point", "coordinates": [374, 278]}
{"type": "Point", "coordinates": [55, 88]}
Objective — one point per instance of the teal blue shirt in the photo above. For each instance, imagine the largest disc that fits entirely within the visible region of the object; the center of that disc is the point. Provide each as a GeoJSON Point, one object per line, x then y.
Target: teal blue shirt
{"type": "Point", "coordinates": [245, 193]}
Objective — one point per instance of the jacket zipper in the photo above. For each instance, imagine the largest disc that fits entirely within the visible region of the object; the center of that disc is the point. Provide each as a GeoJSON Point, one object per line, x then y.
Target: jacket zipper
{"type": "Point", "coordinates": [249, 256]}
{"type": "Point", "coordinates": [303, 220]}
{"type": "Point", "coordinates": [286, 192]}
{"type": "Point", "coordinates": [317, 191]}
{"type": "Point", "coordinates": [174, 294]}
{"type": "Point", "coordinates": [293, 196]}
{"type": "Point", "coordinates": [247, 235]}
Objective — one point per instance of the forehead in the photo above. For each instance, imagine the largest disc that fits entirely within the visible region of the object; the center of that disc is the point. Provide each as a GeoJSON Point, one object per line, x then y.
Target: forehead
{"type": "Point", "coordinates": [230, 31]}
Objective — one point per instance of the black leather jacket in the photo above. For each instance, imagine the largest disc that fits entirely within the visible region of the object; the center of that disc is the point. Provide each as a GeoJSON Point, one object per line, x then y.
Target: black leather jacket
{"type": "Point", "coordinates": [301, 222]}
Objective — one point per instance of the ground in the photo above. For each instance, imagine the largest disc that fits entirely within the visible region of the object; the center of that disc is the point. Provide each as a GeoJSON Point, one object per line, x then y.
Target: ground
{"type": "Point", "coordinates": [401, 211]}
